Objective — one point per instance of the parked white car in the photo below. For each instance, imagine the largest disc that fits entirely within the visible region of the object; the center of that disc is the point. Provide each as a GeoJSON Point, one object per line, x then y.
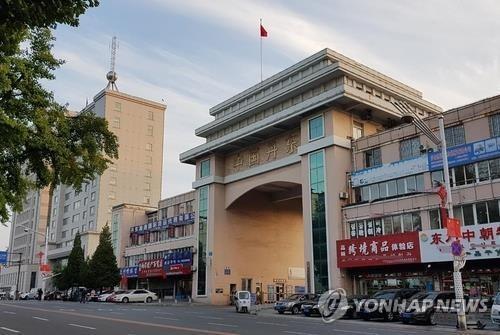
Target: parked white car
{"type": "Point", "coordinates": [495, 310]}
{"type": "Point", "coordinates": [103, 296]}
{"type": "Point", "coordinates": [136, 296]}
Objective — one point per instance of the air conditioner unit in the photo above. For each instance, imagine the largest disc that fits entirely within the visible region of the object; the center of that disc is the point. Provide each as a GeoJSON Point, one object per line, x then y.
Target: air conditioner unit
{"type": "Point", "coordinates": [193, 268]}
{"type": "Point", "coordinates": [344, 195]}
{"type": "Point", "coordinates": [194, 250]}
{"type": "Point", "coordinates": [423, 148]}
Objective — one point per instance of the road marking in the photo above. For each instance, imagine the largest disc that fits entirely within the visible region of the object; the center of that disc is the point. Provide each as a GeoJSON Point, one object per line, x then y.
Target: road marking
{"type": "Point", "coordinates": [222, 324]}
{"type": "Point", "coordinates": [272, 323]}
{"type": "Point", "coordinates": [298, 333]}
{"type": "Point", "coordinates": [10, 330]}
{"type": "Point", "coordinates": [163, 318]}
{"type": "Point", "coordinates": [165, 313]}
{"type": "Point", "coordinates": [356, 332]}
{"type": "Point", "coordinates": [127, 321]}
{"type": "Point", "coordinates": [138, 309]}
{"type": "Point", "coordinates": [210, 317]}
{"type": "Point", "coordinates": [80, 326]}
{"type": "Point", "coordinates": [41, 319]}
{"type": "Point", "coordinates": [9, 312]}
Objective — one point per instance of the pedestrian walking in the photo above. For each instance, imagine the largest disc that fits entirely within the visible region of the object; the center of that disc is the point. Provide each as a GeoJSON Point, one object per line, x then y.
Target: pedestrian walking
{"type": "Point", "coordinates": [83, 295]}
{"type": "Point", "coordinates": [40, 293]}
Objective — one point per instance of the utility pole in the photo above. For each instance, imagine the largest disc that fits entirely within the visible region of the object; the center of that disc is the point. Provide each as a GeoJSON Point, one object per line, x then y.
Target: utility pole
{"type": "Point", "coordinates": [18, 273]}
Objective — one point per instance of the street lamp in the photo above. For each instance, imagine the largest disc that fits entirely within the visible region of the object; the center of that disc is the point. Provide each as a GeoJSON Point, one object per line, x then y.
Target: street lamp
{"type": "Point", "coordinates": [46, 250]}
{"type": "Point", "coordinates": [409, 116]}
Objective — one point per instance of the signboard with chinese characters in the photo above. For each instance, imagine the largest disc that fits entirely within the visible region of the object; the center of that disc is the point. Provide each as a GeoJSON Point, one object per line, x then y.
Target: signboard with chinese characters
{"type": "Point", "coordinates": [378, 250]}
{"type": "Point", "coordinates": [129, 272]}
{"type": "Point", "coordinates": [466, 153]}
{"type": "Point", "coordinates": [389, 171]}
{"type": "Point", "coordinates": [264, 152]}
{"type": "Point", "coordinates": [151, 268]}
{"type": "Point", "coordinates": [479, 242]}
{"type": "Point", "coordinates": [178, 262]}
{"type": "Point", "coordinates": [179, 220]}
{"type": "Point", "coordinates": [3, 257]}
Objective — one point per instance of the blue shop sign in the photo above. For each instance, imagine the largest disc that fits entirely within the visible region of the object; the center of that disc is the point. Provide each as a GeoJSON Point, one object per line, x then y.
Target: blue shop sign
{"type": "Point", "coordinates": [183, 257]}
{"type": "Point", "coordinates": [466, 153]}
{"type": "Point", "coordinates": [129, 272]}
{"type": "Point", "coordinates": [3, 257]}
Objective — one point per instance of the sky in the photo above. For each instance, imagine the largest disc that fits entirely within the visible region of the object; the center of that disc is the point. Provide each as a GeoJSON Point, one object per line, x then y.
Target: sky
{"type": "Point", "coordinates": [194, 54]}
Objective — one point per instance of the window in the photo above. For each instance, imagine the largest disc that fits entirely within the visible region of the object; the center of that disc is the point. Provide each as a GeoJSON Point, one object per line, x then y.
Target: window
{"type": "Point", "coordinates": [205, 168]}
{"type": "Point", "coordinates": [357, 130]}
{"type": "Point", "coordinates": [374, 191]}
{"type": "Point", "coordinates": [150, 131]}
{"type": "Point", "coordinates": [56, 199]}
{"type": "Point", "coordinates": [77, 193]}
{"type": "Point", "coordinates": [65, 221]}
{"type": "Point", "coordinates": [112, 195]}
{"type": "Point", "coordinates": [147, 200]}
{"type": "Point", "coordinates": [468, 215]}
{"type": "Point", "coordinates": [75, 218]}
{"type": "Point", "coordinates": [149, 160]}
{"type": "Point", "coordinates": [483, 170]}
{"type": "Point", "coordinates": [494, 125]}
{"type": "Point", "coordinates": [92, 210]}
{"type": "Point", "coordinates": [63, 233]}
{"type": "Point", "coordinates": [66, 209]}
{"type": "Point", "coordinates": [149, 146]}
{"type": "Point", "coordinates": [150, 115]}
{"type": "Point", "coordinates": [116, 122]}
{"type": "Point", "coordinates": [67, 196]}
{"type": "Point", "coordinates": [493, 211]}
{"type": "Point", "coordinates": [147, 186]}
{"type": "Point", "coordinates": [454, 135]}
{"type": "Point", "coordinates": [85, 201]}
{"type": "Point", "coordinates": [392, 188]}
{"type": "Point", "coordinates": [373, 157]}
{"type": "Point", "coordinates": [148, 173]}
{"type": "Point", "coordinates": [92, 196]}
{"type": "Point", "coordinates": [94, 182]}
{"type": "Point", "coordinates": [84, 228]}
{"type": "Point", "coordinates": [482, 213]}
{"type": "Point", "coordinates": [84, 215]}
{"type": "Point", "coordinates": [91, 225]}
{"type": "Point", "coordinates": [74, 231]}
{"type": "Point", "coordinates": [435, 219]}
{"type": "Point", "coordinates": [118, 107]}
{"type": "Point", "coordinates": [396, 224]}
{"type": "Point", "coordinates": [76, 204]}
{"type": "Point", "coordinates": [86, 187]}
{"type": "Point", "coordinates": [112, 181]}
{"type": "Point", "coordinates": [409, 148]}
{"type": "Point", "coordinates": [316, 128]}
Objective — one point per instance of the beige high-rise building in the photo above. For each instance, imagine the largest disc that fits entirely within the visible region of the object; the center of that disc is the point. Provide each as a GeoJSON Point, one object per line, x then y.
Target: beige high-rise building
{"type": "Point", "coordinates": [135, 177]}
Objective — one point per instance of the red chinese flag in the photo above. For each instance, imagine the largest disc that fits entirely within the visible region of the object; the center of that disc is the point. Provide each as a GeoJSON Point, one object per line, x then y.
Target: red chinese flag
{"type": "Point", "coordinates": [453, 227]}
{"type": "Point", "coordinates": [263, 32]}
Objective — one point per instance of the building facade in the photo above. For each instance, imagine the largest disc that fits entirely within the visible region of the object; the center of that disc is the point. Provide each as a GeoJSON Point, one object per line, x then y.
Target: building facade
{"type": "Point", "coordinates": [394, 234]}
{"type": "Point", "coordinates": [272, 177]}
{"type": "Point", "coordinates": [157, 246]}
{"type": "Point", "coordinates": [135, 177]}
{"type": "Point", "coordinates": [26, 243]}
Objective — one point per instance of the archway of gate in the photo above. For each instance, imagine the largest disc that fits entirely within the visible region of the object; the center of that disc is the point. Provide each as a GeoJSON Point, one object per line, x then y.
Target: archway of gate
{"type": "Point", "coordinates": [261, 245]}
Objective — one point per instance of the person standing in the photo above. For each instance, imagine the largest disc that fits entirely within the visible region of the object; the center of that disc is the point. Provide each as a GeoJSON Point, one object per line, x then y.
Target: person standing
{"type": "Point", "coordinates": [40, 293]}
{"type": "Point", "coordinates": [83, 295]}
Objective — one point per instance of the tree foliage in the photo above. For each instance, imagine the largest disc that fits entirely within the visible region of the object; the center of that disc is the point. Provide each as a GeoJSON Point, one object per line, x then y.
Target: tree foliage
{"type": "Point", "coordinates": [103, 267]}
{"type": "Point", "coordinates": [41, 144]}
{"type": "Point", "coordinates": [75, 273]}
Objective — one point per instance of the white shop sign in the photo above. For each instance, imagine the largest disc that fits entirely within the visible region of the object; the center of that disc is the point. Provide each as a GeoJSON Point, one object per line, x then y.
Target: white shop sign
{"type": "Point", "coordinates": [479, 241]}
{"type": "Point", "coordinates": [389, 171]}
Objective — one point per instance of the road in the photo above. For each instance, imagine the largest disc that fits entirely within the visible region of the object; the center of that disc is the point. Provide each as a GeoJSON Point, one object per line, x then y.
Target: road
{"type": "Point", "coordinates": [35, 318]}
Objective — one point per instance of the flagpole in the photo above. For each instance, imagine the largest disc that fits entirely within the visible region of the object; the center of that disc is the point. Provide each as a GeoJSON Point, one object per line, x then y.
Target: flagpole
{"type": "Point", "coordinates": [260, 34]}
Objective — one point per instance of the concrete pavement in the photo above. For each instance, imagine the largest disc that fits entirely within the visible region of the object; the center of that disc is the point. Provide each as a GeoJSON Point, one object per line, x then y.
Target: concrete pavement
{"type": "Point", "coordinates": [34, 317]}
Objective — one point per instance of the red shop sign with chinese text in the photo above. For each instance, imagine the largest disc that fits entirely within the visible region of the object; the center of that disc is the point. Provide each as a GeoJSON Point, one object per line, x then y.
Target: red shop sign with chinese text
{"type": "Point", "coordinates": [378, 250]}
{"type": "Point", "coordinates": [151, 268]}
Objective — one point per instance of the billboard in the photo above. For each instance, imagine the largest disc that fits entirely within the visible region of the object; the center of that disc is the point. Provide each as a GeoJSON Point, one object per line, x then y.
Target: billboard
{"type": "Point", "coordinates": [379, 250]}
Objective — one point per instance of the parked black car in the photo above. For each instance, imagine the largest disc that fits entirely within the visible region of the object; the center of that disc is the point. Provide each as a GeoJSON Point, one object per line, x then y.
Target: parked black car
{"type": "Point", "coordinates": [421, 308]}
{"type": "Point", "coordinates": [310, 308]}
{"type": "Point", "coordinates": [293, 303]}
{"type": "Point", "coordinates": [374, 308]}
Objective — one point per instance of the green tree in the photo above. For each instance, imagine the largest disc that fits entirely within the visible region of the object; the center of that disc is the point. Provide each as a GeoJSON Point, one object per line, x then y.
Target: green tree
{"type": "Point", "coordinates": [41, 144]}
{"type": "Point", "coordinates": [75, 272]}
{"type": "Point", "coordinates": [103, 266]}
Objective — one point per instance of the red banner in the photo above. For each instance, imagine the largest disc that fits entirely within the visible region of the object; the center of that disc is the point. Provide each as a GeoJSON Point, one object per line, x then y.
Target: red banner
{"type": "Point", "coordinates": [151, 268]}
{"type": "Point", "coordinates": [379, 250]}
{"type": "Point", "coordinates": [178, 269]}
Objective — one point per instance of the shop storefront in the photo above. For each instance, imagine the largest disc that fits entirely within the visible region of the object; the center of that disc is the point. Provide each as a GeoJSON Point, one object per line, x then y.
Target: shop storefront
{"type": "Point", "coordinates": [177, 266]}
{"type": "Point", "coordinates": [422, 260]}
